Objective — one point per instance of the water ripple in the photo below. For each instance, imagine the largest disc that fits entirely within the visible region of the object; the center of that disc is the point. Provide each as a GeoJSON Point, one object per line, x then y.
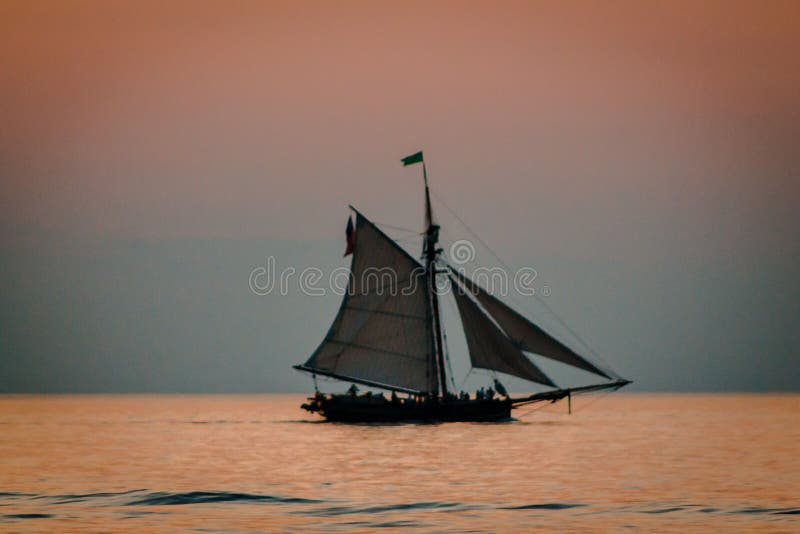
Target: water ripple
{"type": "Point", "coordinates": [666, 510]}
{"type": "Point", "coordinates": [402, 515]}
{"type": "Point", "coordinates": [781, 511]}
{"type": "Point", "coordinates": [345, 510]}
{"type": "Point", "coordinates": [160, 498]}
{"type": "Point", "coordinates": [29, 516]}
{"type": "Point", "coordinates": [548, 506]}
{"type": "Point", "coordinates": [82, 497]}
{"type": "Point", "coordinates": [387, 524]}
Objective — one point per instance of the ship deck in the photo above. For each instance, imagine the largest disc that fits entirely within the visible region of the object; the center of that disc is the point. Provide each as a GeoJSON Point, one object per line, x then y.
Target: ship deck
{"type": "Point", "coordinates": [357, 409]}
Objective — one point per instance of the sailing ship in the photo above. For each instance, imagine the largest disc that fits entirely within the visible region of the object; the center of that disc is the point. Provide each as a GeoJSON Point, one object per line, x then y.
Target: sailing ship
{"type": "Point", "coordinates": [387, 335]}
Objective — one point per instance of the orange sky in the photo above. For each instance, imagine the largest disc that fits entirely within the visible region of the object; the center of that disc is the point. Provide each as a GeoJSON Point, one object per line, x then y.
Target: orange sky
{"type": "Point", "coordinates": [222, 118]}
{"type": "Point", "coordinates": [641, 155]}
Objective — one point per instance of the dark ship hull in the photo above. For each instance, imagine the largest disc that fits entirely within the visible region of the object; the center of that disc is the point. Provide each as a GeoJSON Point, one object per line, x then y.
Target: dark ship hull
{"type": "Point", "coordinates": [360, 409]}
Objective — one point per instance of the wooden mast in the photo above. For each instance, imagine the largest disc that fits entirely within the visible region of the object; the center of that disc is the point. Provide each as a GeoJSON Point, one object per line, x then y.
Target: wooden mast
{"type": "Point", "coordinates": [431, 240]}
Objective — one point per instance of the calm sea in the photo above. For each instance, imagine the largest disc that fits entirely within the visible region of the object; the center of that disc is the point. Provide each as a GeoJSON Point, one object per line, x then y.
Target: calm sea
{"type": "Point", "coordinates": [259, 463]}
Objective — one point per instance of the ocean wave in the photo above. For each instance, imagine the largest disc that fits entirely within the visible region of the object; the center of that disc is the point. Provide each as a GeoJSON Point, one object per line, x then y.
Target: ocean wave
{"type": "Point", "coordinates": [42, 506]}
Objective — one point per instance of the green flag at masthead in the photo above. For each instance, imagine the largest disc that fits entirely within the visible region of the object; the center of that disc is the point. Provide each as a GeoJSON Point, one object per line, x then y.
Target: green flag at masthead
{"type": "Point", "coordinates": [413, 158]}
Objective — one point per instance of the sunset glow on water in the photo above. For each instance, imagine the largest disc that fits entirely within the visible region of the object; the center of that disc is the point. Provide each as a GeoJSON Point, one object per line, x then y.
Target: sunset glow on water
{"type": "Point", "coordinates": [259, 463]}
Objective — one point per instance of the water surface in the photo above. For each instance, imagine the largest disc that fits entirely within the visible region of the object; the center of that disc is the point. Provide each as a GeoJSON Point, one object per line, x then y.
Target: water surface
{"type": "Point", "coordinates": [259, 463]}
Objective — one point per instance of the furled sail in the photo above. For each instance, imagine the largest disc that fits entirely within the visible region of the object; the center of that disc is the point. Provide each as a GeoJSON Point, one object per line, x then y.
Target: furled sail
{"type": "Point", "coordinates": [382, 332]}
{"type": "Point", "coordinates": [526, 335]}
{"type": "Point", "coordinates": [489, 348]}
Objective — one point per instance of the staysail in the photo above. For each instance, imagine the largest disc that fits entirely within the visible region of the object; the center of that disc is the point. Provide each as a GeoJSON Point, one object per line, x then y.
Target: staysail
{"type": "Point", "coordinates": [381, 335]}
{"type": "Point", "coordinates": [489, 348]}
{"type": "Point", "coordinates": [525, 335]}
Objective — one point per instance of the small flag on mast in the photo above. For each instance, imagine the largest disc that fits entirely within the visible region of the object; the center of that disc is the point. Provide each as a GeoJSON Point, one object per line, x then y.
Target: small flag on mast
{"type": "Point", "coordinates": [412, 159]}
{"type": "Point", "coordinates": [350, 232]}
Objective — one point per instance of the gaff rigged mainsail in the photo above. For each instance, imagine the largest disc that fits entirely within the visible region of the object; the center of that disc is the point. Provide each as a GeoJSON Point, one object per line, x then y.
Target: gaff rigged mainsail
{"type": "Point", "coordinates": [381, 335]}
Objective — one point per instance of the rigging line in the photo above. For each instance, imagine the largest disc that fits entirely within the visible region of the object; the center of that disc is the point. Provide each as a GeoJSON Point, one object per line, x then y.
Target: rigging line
{"type": "Point", "coordinates": [446, 353]}
{"type": "Point", "coordinates": [461, 387]}
{"type": "Point", "coordinates": [447, 358]}
{"type": "Point", "coordinates": [406, 235]}
{"type": "Point", "coordinates": [400, 228]}
{"type": "Point", "coordinates": [378, 290]}
{"type": "Point", "coordinates": [598, 396]}
{"type": "Point", "coordinates": [406, 238]}
{"type": "Point", "coordinates": [536, 296]}
{"type": "Point", "coordinates": [361, 328]}
{"type": "Point", "coordinates": [374, 348]}
{"type": "Point", "coordinates": [473, 263]}
{"type": "Point", "coordinates": [451, 306]}
{"type": "Point", "coordinates": [534, 409]}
